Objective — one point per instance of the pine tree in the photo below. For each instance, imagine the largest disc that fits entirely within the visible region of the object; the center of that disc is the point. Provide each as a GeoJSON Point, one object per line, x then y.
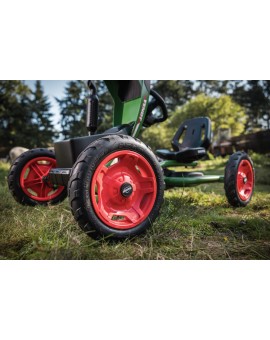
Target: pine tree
{"type": "Point", "coordinates": [73, 108]}
{"type": "Point", "coordinates": [105, 106]}
{"type": "Point", "coordinates": [42, 125]}
{"type": "Point", "coordinates": [15, 116]}
{"type": "Point", "coordinates": [25, 119]}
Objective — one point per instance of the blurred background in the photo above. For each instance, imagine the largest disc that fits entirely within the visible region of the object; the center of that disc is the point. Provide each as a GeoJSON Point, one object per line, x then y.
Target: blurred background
{"type": "Point", "coordinates": [35, 113]}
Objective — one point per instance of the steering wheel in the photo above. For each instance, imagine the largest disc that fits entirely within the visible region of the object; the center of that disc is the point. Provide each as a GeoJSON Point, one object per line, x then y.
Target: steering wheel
{"type": "Point", "coordinates": [156, 102]}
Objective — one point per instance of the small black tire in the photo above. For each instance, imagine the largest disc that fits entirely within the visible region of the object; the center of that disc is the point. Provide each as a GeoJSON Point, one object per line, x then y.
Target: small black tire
{"type": "Point", "coordinates": [239, 179]}
{"type": "Point", "coordinates": [82, 179]}
{"type": "Point", "coordinates": [14, 177]}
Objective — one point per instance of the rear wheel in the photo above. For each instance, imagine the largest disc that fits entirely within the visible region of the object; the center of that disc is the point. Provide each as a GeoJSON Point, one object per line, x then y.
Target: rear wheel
{"type": "Point", "coordinates": [239, 179]}
{"type": "Point", "coordinates": [116, 188]}
{"type": "Point", "coordinates": [27, 179]}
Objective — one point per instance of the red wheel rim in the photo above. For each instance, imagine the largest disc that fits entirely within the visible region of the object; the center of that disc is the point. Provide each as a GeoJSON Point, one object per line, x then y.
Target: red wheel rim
{"type": "Point", "coordinates": [32, 183]}
{"type": "Point", "coordinates": [121, 173]}
{"type": "Point", "coordinates": [245, 180]}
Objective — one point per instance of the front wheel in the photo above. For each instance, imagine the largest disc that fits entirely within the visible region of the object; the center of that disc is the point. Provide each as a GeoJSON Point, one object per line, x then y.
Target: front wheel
{"type": "Point", "coordinates": [27, 179]}
{"type": "Point", "coordinates": [116, 188]}
{"type": "Point", "coordinates": [239, 179]}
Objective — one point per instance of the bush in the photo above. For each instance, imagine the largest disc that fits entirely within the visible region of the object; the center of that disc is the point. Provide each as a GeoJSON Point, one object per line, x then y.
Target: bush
{"type": "Point", "coordinates": [223, 112]}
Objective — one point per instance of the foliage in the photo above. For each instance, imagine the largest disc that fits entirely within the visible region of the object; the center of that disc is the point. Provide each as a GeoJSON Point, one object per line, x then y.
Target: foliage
{"type": "Point", "coordinates": [42, 129]}
{"type": "Point", "coordinates": [25, 117]}
{"type": "Point", "coordinates": [223, 112]}
{"type": "Point", "coordinates": [14, 116]}
{"type": "Point", "coordinates": [253, 95]}
{"type": "Point", "coordinates": [73, 108]}
{"type": "Point", "coordinates": [175, 92]}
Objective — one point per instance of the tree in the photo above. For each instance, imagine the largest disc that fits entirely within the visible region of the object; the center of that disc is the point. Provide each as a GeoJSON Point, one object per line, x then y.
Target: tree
{"type": "Point", "coordinates": [14, 113]}
{"type": "Point", "coordinates": [73, 108]}
{"type": "Point", "coordinates": [24, 116]}
{"type": "Point", "coordinates": [254, 95]}
{"type": "Point", "coordinates": [212, 87]}
{"type": "Point", "coordinates": [105, 106]}
{"type": "Point", "coordinates": [42, 129]}
{"type": "Point", "coordinates": [175, 92]}
{"type": "Point", "coordinates": [223, 112]}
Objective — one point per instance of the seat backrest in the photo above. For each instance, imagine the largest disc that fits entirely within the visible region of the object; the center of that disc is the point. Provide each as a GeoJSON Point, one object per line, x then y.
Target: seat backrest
{"type": "Point", "coordinates": [193, 133]}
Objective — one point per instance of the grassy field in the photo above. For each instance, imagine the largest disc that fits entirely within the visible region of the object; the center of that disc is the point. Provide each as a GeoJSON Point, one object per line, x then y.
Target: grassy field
{"type": "Point", "coordinates": [195, 223]}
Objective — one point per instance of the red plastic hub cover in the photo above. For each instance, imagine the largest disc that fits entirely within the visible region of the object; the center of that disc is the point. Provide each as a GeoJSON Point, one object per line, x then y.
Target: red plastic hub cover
{"type": "Point", "coordinates": [123, 189]}
{"type": "Point", "coordinates": [32, 179]}
{"type": "Point", "coordinates": [245, 180]}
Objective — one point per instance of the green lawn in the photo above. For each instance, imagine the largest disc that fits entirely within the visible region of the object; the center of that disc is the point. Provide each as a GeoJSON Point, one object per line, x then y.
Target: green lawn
{"type": "Point", "coordinates": [195, 223]}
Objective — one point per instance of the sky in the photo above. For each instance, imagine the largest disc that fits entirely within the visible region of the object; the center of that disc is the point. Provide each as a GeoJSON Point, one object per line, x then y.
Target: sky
{"type": "Point", "coordinates": [52, 88]}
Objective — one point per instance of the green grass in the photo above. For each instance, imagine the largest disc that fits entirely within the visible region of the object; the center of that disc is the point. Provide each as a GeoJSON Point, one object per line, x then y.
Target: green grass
{"type": "Point", "coordinates": [195, 223]}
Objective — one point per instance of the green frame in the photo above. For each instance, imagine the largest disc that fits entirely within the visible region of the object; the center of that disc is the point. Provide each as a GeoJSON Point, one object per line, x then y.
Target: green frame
{"type": "Point", "coordinates": [133, 112]}
{"type": "Point", "coordinates": [188, 181]}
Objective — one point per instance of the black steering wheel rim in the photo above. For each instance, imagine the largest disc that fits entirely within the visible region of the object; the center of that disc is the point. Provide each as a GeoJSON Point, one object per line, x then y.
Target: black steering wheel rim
{"type": "Point", "coordinates": [156, 102]}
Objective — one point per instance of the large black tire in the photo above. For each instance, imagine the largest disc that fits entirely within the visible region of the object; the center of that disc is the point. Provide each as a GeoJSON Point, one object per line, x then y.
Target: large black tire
{"type": "Point", "coordinates": [15, 173]}
{"type": "Point", "coordinates": [239, 179]}
{"type": "Point", "coordinates": [83, 174]}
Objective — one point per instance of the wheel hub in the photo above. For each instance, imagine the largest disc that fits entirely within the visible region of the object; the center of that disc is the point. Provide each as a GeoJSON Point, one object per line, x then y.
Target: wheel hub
{"type": "Point", "coordinates": [126, 190]}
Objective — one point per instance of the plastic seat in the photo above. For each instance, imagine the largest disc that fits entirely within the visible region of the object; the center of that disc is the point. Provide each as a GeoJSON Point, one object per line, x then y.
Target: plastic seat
{"type": "Point", "coordinates": [195, 136]}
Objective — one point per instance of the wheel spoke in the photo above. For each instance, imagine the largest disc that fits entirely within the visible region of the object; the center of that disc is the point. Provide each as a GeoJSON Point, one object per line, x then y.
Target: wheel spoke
{"type": "Point", "coordinates": [129, 161]}
{"type": "Point", "coordinates": [146, 184]}
{"type": "Point", "coordinates": [110, 182]}
{"type": "Point", "coordinates": [99, 182]}
{"type": "Point", "coordinates": [36, 169]}
{"type": "Point", "coordinates": [44, 190]}
{"type": "Point", "coordinates": [49, 169]}
{"type": "Point", "coordinates": [248, 187]}
{"type": "Point", "coordinates": [240, 177]}
{"type": "Point", "coordinates": [138, 210]}
{"type": "Point", "coordinates": [104, 169]}
{"type": "Point", "coordinates": [104, 211]}
{"type": "Point", "coordinates": [129, 215]}
{"type": "Point", "coordinates": [29, 183]}
{"type": "Point", "coordinates": [147, 190]}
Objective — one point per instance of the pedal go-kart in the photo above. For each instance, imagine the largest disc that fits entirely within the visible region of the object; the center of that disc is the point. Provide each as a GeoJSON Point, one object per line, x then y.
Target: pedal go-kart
{"type": "Point", "coordinates": [114, 182]}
